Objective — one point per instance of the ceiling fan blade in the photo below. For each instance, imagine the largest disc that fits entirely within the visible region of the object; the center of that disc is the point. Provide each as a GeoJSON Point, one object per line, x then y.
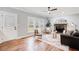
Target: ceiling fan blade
{"type": "Point", "coordinates": [53, 9]}
{"type": "Point", "coordinates": [50, 9]}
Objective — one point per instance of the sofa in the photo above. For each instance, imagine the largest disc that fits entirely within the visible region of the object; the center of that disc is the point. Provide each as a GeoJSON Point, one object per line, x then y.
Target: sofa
{"type": "Point", "coordinates": [70, 40]}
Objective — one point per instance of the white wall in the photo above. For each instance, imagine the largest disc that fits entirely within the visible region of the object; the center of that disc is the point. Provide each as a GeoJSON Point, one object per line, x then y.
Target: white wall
{"type": "Point", "coordinates": [22, 23]}
{"type": "Point", "coordinates": [22, 18]}
{"type": "Point", "coordinates": [75, 19]}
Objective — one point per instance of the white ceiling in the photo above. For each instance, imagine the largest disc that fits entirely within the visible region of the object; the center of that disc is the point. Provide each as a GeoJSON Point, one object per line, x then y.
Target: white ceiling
{"type": "Point", "coordinates": [43, 10]}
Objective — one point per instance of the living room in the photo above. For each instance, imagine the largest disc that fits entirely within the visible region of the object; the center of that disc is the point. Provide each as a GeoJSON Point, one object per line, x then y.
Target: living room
{"type": "Point", "coordinates": [39, 28]}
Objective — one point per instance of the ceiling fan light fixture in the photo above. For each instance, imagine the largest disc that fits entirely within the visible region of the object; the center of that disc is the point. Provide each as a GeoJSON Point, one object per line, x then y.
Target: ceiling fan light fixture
{"type": "Point", "coordinates": [48, 8]}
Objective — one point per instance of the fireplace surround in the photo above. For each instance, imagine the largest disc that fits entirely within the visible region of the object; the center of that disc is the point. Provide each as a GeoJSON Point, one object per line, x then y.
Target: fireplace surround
{"type": "Point", "coordinates": [59, 28]}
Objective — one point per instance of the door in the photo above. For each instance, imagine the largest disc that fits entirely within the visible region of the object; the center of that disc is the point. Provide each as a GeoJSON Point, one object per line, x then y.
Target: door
{"type": "Point", "coordinates": [10, 25]}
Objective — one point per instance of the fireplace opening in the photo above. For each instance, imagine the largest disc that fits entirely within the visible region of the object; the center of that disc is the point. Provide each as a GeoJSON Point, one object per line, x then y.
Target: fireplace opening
{"type": "Point", "coordinates": [59, 28]}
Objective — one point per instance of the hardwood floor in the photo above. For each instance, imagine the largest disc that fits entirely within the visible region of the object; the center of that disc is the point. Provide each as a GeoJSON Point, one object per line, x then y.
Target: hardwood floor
{"type": "Point", "coordinates": [14, 45]}
{"type": "Point", "coordinates": [30, 43]}
{"type": "Point", "coordinates": [22, 45]}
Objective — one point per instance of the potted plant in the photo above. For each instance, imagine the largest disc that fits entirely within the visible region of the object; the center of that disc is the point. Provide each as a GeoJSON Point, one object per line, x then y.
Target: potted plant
{"type": "Point", "coordinates": [48, 23]}
{"type": "Point", "coordinates": [48, 27]}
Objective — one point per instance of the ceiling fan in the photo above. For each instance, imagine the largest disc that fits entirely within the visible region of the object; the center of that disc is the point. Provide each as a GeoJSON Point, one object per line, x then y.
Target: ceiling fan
{"type": "Point", "coordinates": [50, 9]}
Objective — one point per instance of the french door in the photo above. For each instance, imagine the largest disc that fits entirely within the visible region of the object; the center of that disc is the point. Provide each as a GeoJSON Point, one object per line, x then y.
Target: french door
{"type": "Point", "coordinates": [8, 24]}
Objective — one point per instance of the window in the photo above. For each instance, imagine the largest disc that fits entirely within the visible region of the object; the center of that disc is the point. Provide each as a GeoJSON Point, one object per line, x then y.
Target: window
{"type": "Point", "coordinates": [31, 26]}
{"type": "Point", "coordinates": [34, 22]}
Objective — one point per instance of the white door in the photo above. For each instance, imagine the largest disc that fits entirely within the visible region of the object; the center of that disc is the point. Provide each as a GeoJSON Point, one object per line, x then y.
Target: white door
{"type": "Point", "coordinates": [10, 25]}
{"type": "Point", "coordinates": [2, 35]}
